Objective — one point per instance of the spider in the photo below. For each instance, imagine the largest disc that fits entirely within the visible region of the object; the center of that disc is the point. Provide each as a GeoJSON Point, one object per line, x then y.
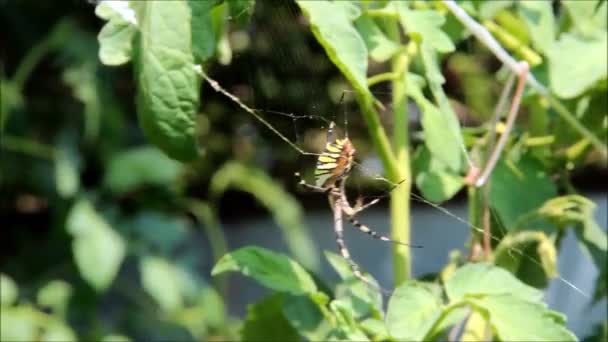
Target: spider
{"type": "Point", "coordinates": [333, 167]}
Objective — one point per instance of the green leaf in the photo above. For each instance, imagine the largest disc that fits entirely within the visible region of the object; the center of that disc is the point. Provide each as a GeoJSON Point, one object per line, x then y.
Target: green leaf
{"type": "Point", "coordinates": [265, 322]}
{"type": "Point", "coordinates": [347, 328]}
{"type": "Point", "coordinates": [56, 330]}
{"type": "Point", "coordinates": [305, 315]}
{"type": "Point", "coordinates": [476, 328]}
{"type": "Point", "coordinates": [341, 41]}
{"type": "Point", "coordinates": [18, 324]}
{"type": "Point", "coordinates": [273, 270]}
{"type": "Point", "coordinates": [588, 18]}
{"type": "Point", "coordinates": [8, 290]}
{"type": "Point", "coordinates": [570, 72]}
{"type": "Point", "coordinates": [380, 48]}
{"type": "Point", "coordinates": [515, 319]}
{"type": "Point", "coordinates": [375, 328]}
{"type": "Point", "coordinates": [168, 86]}
{"type": "Point", "coordinates": [156, 231]}
{"type": "Point", "coordinates": [67, 177]}
{"type": "Point", "coordinates": [434, 179]}
{"type": "Point", "coordinates": [485, 279]}
{"type": "Point", "coordinates": [241, 11]}
{"type": "Point", "coordinates": [161, 280]}
{"type": "Point", "coordinates": [412, 311]}
{"type": "Point", "coordinates": [489, 9]}
{"type": "Point", "coordinates": [447, 124]}
{"type": "Point", "coordinates": [360, 298]}
{"type": "Point", "coordinates": [98, 249]}
{"type": "Point", "coordinates": [117, 35]}
{"type": "Point", "coordinates": [115, 338]}
{"type": "Point", "coordinates": [285, 210]}
{"type": "Point", "coordinates": [55, 295]}
{"type": "Point", "coordinates": [424, 26]}
{"type": "Point", "coordinates": [204, 36]}
{"type": "Point", "coordinates": [539, 19]}
{"type": "Point", "coordinates": [519, 189]}
{"type": "Point", "coordinates": [528, 246]}
{"type": "Point", "coordinates": [140, 166]}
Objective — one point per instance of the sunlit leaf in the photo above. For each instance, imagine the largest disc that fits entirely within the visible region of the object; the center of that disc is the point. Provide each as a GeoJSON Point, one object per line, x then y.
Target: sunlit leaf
{"type": "Point", "coordinates": [265, 322]}
{"type": "Point", "coordinates": [476, 328]}
{"type": "Point", "coordinates": [515, 319]}
{"type": "Point", "coordinates": [18, 324]}
{"type": "Point", "coordinates": [162, 282]}
{"type": "Point", "coordinates": [381, 49]}
{"type": "Point", "coordinates": [273, 270]}
{"type": "Point", "coordinates": [341, 41]}
{"type": "Point", "coordinates": [55, 295]}
{"type": "Point", "coordinates": [412, 311]}
{"type": "Point", "coordinates": [67, 177]}
{"type": "Point", "coordinates": [167, 84]}
{"type": "Point", "coordinates": [589, 19]}
{"type": "Point", "coordinates": [140, 166]}
{"type": "Point", "coordinates": [425, 26]}
{"type": "Point", "coordinates": [8, 290]}
{"type": "Point", "coordinates": [540, 21]}
{"type": "Point", "coordinates": [98, 249]}
{"type": "Point", "coordinates": [116, 36]}
{"type": "Point", "coordinates": [571, 73]}
{"type": "Point", "coordinates": [57, 331]}
{"type": "Point", "coordinates": [486, 279]}
{"type": "Point", "coordinates": [286, 211]}
{"type": "Point", "coordinates": [488, 9]}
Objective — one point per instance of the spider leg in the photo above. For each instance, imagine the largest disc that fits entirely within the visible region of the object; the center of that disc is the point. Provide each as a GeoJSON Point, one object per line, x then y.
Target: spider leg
{"type": "Point", "coordinates": [338, 229]}
{"type": "Point", "coordinates": [365, 229]}
{"type": "Point", "coordinates": [311, 187]}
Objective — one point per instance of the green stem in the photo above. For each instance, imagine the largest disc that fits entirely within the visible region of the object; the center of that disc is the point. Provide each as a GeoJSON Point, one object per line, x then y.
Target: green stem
{"type": "Point", "coordinates": [572, 121]}
{"type": "Point", "coordinates": [400, 200]}
{"type": "Point", "coordinates": [26, 146]}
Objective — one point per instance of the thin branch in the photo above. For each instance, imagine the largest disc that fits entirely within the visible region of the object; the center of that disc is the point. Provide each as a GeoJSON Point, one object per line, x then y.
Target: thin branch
{"type": "Point", "coordinates": [486, 38]}
{"type": "Point", "coordinates": [509, 126]}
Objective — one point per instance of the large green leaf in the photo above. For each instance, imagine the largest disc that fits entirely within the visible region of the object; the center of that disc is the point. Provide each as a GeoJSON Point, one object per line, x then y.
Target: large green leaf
{"type": "Point", "coordinates": [98, 249]}
{"type": "Point", "coordinates": [265, 321]}
{"type": "Point", "coordinates": [434, 179]}
{"type": "Point", "coordinates": [117, 35]}
{"type": "Point", "coordinates": [286, 211]}
{"type": "Point", "coordinates": [140, 166]}
{"type": "Point", "coordinates": [167, 84]}
{"type": "Point", "coordinates": [485, 279]}
{"type": "Point", "coordinates": [273, 270]}
{"type": "Point", "coordinates": [331, 23]}
{"type": "Point", "coordinates": [425, 26]}
{"type": "Point", "coordinates": [540, 21]}
{"type": "Point", "coordinates": [515, 319]}
{"type": "Point", "coordinates": [412, 312]}
{"type": "Point", "coordinates": [448, 123]}
{"type": "Point", "coordinates": [572, 72]}
{"type": "Point", "coordinates": [519, 189]}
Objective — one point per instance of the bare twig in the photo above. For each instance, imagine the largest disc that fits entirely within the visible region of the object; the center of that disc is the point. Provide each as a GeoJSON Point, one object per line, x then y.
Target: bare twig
{"type": "Point", "coordinates": [491, 163]}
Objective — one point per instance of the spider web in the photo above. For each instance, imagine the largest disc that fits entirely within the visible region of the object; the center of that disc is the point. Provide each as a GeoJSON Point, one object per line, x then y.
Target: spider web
{"type": "Point", "coordinates": [309, 122]}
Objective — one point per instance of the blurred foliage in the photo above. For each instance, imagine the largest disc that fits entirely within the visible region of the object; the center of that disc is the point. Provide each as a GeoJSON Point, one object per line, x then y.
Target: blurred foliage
{"type": "Point", "coordinates": [118, 164]}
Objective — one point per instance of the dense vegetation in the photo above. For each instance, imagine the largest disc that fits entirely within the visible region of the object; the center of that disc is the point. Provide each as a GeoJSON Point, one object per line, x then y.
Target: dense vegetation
{"type": "Point", "coordinates": [120, 159]}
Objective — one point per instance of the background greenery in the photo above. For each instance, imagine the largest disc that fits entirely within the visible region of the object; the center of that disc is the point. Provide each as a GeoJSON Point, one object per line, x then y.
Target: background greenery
{"type": "Point", "coordinates": [119, 164]}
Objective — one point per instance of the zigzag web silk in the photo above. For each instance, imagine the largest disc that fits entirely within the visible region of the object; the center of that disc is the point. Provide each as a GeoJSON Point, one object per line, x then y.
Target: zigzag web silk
{"type": "Point", "coordinates": [295, 117]}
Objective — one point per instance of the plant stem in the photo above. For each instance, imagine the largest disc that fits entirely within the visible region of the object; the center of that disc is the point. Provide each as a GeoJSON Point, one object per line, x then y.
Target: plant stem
{"type": "Point", "coordinates": [400, 204]}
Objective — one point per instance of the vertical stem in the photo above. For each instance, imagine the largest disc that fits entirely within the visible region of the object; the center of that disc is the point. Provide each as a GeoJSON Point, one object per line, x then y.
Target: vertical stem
{"type": "Point", "coordinates": [400, 199]}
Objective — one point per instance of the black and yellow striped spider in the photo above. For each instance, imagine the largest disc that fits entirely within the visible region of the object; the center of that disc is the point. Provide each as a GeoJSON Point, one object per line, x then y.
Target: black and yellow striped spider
{"type": "Point", "coordinates": [333, 167]}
